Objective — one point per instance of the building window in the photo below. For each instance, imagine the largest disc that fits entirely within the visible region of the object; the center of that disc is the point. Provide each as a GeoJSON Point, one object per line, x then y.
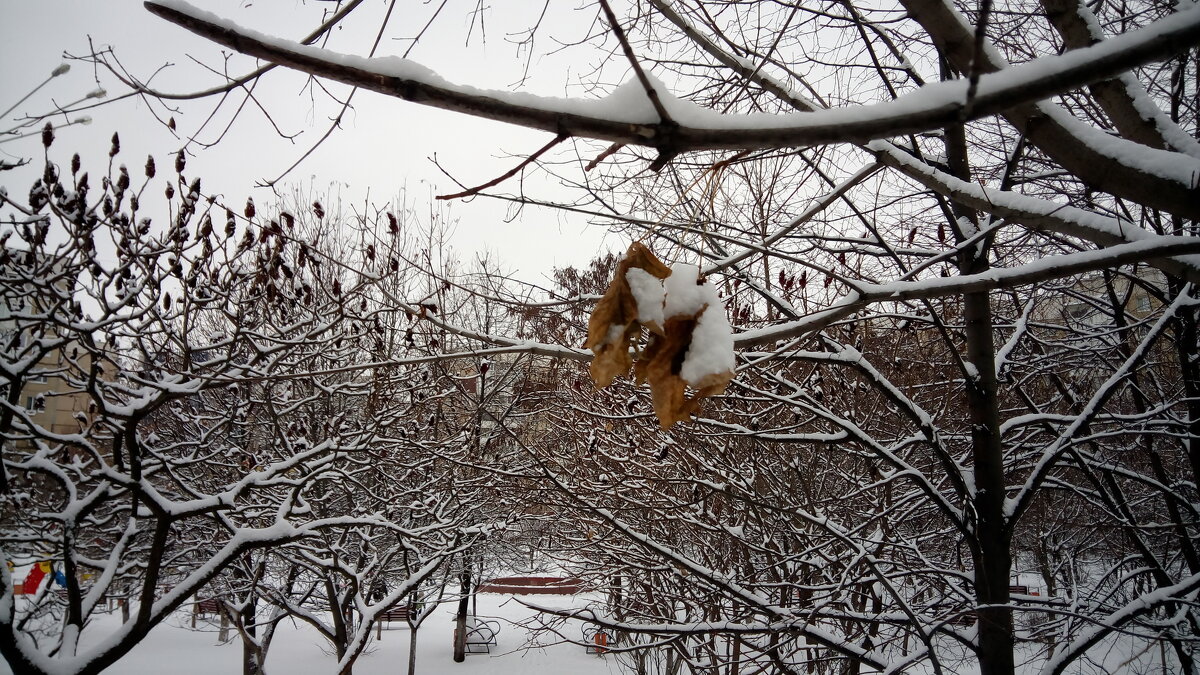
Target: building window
{"type": "Point", "coordinates": [1078, 311]}
{"type": "Point", "coordinates": [1143, 303]}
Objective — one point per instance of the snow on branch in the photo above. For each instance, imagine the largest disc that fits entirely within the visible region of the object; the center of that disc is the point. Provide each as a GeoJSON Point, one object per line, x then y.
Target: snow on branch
{"type": "Point", "coordinates": [1152, 249]}
{"type": "Point", "coordinates": [1115, 621]}
{"type": "Point", "coordinates": [1124, 99]}
{"type": "Point", "coordinates": [1104, 165]}
{"type": "Point", "coordinates": [1127, 169]}
{"type": "Point", "coordinates": [628, 116]}
{"type": "Point", "coordinates": [1035, 213]}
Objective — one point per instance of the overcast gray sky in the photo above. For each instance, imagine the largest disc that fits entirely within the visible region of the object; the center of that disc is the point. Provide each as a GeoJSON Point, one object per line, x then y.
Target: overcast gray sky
{"type": "Point", "coordinates": [385, 144]}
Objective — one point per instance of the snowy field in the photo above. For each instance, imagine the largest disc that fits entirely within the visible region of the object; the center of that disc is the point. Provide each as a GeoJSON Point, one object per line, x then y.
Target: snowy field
{"type": "Point", "coordinates": [173, 648]}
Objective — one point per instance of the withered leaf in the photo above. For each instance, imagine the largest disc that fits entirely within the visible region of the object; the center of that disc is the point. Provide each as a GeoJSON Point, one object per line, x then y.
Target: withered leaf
{"type": "Point", "coordinates": [660, 365]}
{"type": "Point", "coordinates": [613, 325]}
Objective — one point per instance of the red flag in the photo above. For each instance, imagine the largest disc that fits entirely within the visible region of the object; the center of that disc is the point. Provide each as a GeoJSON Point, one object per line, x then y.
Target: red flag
{"type": "Point", "coordinates": [34, 578]}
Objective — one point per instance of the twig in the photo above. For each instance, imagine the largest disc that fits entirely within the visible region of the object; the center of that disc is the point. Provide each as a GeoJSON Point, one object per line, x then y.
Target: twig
{"type": "Point", "coordinates": [665, 137]}
{"type": "Point", "coordinates": [53, 74]}
{"type": "Point", "coordinates": [508, 174]}
{"type": "Point", "coordinates": [608, 152]}
{"type": "Point", "coordinates": [637, 68]}
{"type": "Point", "coordinates": [337, 121]}
{"type": "Point", "coordinates": [977, 59]}
{"type": "Point", "coordinates": [233, 83]}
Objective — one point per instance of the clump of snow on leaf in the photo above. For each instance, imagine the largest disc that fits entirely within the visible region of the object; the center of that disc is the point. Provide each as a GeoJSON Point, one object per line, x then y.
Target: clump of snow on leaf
{"type": "Point", "coordinates": [690, 342]}
{"type": "Point", "coordinates": [683, 294]}
{"type": "Point", "coordinates": [650, 296]}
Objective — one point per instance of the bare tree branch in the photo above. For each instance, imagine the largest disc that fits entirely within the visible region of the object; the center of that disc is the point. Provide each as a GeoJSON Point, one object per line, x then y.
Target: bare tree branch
{"type": "Point", "coordinates": [930, 107]}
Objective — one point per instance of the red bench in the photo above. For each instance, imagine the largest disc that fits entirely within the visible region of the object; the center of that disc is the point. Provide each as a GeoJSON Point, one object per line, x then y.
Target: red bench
{"type": "Point", "coordinates": [597, 640]}
{"type": "Point", "coordinates": [532, 585]}
{"type": "Point", "coordinates": [206, 606]}
{"type": "Point", "coordinates": [396, 613]}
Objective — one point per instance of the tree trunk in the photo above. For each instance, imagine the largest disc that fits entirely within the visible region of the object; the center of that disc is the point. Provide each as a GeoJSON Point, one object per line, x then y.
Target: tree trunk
{"type": "Point", "coordinates": [991, 550]}
{"type": "Point", "coordinates": [251, 655]}
{"type": "Point", "coordinates": [991, 555]}
{"type": "Point", "coordinates": [460, 622]}
{"type": "Point", "coordinates": [412, 651]}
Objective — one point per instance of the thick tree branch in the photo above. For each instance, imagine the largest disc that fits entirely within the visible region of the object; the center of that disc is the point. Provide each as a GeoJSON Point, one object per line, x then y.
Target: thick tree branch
{"type": "Point", "coordinates": [1037, 214]}
{"type": "Point", "coordinates": [1054, 267]}
{"type": "Point", "coordinates": [928, 108]}
{"type": "Point", "coordinates": [1123, 98]}
{"type": "Point", "coordinates": [1103, 165]}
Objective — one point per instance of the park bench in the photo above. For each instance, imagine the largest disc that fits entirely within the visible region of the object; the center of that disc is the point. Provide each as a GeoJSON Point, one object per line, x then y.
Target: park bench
{"type": "Point", "coordinates": [532, 585]}
{"type": "Point", "coordinates": [967, 618]}
{"type": "Point", "coordinates": [204, 607]}
{"type": "Point", "coordinates": [207, 606]}
{"type": "Point", "coordinates": [481, 636]}
{"type": "Point", "coordinates": [393, 613]}
{"type": "Point", "coordinates": [396, 613]}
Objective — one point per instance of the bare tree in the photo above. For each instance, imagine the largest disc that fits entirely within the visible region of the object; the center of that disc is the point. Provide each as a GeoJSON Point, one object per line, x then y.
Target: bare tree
{"type": "Point", "coordinates": [956, 239]}
{"type": "Point", "coordinates": [232, 391]}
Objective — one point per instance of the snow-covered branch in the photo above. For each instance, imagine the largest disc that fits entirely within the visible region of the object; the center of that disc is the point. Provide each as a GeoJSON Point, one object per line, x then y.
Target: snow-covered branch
{"type": "Point", "coordinates": [627, 116]}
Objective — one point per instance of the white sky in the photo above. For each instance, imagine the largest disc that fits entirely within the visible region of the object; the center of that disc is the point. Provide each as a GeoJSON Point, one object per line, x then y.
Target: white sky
{"type": "Point", "coordinates": [385, 143]}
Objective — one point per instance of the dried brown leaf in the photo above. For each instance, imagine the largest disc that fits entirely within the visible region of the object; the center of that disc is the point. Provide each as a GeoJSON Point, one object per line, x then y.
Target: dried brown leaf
{"type": "Point", "coordinates": [613, 325]}
{"type": "Point", "coordinates": [641, 257]}
{"type": "Point", "coordinates": [660, 365]}
{"type": "Point", "coordinates": [612, 358]}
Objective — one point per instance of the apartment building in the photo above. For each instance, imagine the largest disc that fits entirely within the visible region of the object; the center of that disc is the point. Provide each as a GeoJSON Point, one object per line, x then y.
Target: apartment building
{"type": "Point", "coordinates": [47, 395]}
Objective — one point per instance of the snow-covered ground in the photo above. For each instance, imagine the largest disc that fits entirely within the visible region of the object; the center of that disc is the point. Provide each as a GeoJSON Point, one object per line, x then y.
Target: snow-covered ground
{"type": "Point", "coordinates": [173, 648]}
